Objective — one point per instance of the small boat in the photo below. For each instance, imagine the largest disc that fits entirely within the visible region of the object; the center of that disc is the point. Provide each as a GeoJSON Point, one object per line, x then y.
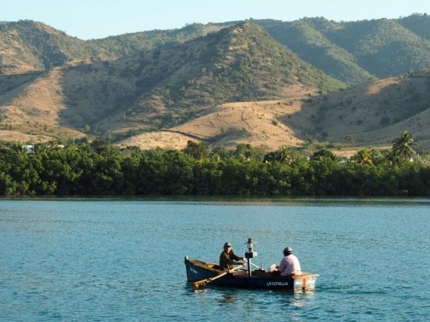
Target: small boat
{"type": "Point", "coordinates": [198, 271]}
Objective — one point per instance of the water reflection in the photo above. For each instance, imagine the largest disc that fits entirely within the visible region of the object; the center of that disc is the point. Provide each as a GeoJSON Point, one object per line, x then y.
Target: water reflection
{"type": "Point", "coordinates": [252, 299]}
{"type": "Point", "coordinates": [228, 297]}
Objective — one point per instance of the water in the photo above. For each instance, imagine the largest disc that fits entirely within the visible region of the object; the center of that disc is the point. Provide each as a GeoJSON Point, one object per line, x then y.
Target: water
{"type": "Point", "coordinates": [122, 260]}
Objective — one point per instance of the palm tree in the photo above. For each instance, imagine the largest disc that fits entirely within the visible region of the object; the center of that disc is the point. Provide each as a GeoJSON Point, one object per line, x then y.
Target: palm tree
{"type": "Point", "coordinates": [403, 147]}
{"type": "Point", "coordinates": [363, 156]}
{"type": "Point", "coordinates": [282, 155]}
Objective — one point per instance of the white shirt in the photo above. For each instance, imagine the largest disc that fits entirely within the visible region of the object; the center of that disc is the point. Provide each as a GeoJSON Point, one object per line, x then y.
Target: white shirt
{"type": "Point", "coordinates": [289, 265]}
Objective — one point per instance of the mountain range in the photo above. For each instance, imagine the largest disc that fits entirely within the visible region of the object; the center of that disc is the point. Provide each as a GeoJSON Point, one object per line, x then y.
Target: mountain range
{"type": "Point", "coordinates": [268, 83]}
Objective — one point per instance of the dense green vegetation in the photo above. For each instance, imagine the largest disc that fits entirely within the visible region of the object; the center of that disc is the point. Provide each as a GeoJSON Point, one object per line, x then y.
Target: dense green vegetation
{"type": "Point", "coordinates": [99, 168]}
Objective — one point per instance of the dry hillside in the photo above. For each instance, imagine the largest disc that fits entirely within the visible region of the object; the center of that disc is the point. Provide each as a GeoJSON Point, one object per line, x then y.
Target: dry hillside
{"type": "Point", "coordinates": [235, 86]}
{"type": "Point", "coordinates": [370, 115]}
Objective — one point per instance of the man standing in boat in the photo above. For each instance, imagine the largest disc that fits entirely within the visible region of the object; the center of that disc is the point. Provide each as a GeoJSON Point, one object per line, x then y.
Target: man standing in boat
{"type": "Point", "coordinates": [289, 264]}
{"type": "Point", "coordinates": [228, 258]}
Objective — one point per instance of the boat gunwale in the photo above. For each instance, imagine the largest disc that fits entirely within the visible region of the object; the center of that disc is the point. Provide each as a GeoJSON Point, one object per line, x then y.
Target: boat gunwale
{"type": "Point", "coordinates": [239, 274]}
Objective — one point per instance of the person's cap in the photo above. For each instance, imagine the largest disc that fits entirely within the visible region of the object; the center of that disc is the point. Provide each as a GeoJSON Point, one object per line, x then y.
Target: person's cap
{"type": "Point", "coordinates": [288, 250]}
{"type": "Point", "coordinates": [227, 244]}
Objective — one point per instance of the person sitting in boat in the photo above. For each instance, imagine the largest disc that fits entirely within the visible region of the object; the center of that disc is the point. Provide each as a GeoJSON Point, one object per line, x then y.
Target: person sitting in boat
{"type": "Point", "coordinates": [228, 258]}
{"type": "Point", "coordinates": [289, 264]}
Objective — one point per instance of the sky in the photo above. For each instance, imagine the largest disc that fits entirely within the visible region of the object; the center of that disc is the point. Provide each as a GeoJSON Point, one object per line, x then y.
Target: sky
{"type": "Point", "coordinates": [93, 19]}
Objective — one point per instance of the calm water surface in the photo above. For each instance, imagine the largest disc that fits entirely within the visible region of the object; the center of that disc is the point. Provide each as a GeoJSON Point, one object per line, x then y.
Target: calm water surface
{"type": "Point", "coordinates": [122, 260]}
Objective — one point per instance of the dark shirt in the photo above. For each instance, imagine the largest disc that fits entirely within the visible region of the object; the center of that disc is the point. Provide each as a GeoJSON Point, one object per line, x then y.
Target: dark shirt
{"type": "Point", "coordinates": [226, 261]}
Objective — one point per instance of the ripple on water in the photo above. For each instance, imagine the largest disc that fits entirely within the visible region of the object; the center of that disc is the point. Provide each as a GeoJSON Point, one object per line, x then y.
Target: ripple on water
{"type": "Point", "coordinates": [111, 260]}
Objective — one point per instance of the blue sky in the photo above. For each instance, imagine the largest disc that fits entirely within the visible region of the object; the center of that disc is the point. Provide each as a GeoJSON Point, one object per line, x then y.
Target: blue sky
{"type": "Point", "coordinates": [87, 19]}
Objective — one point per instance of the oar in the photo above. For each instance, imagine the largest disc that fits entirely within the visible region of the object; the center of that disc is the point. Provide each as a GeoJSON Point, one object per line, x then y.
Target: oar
{"type": "Point", "coordinates": [201, 283]}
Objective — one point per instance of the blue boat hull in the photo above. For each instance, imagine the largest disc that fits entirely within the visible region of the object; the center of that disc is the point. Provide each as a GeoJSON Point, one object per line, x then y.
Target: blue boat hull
{"type": "Point", "coordinates": [259, 279]}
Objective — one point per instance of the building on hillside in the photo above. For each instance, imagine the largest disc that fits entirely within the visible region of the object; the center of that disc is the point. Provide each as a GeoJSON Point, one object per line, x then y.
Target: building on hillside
{"type": "Point", "coordinates": [28, 148]}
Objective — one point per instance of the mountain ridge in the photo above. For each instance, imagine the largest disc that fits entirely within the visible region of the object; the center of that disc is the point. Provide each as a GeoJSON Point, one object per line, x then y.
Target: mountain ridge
{"type": "Point", "coordinates": [191, 87]}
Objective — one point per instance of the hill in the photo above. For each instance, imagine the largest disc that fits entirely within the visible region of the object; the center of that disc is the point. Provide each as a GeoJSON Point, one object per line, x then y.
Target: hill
{"type": "Point", "coordinates": [370, 115]}
{"type": "Point", "coordinates": [262, 82]}
{"type": "Point", "coordinates": [352, 52]}
{"type": "Point", "coordinates": [158, 89]}
{"type": "Point", "coordinates": [27, 46]}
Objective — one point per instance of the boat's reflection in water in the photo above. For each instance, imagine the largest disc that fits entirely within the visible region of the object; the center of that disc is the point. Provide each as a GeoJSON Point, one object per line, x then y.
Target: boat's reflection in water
{"type": "Point", "coordinates": [254, 297]}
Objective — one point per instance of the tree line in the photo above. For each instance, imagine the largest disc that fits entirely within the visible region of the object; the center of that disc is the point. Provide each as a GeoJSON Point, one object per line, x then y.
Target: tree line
{"type": "Point", "coordinates": [102, 169]}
